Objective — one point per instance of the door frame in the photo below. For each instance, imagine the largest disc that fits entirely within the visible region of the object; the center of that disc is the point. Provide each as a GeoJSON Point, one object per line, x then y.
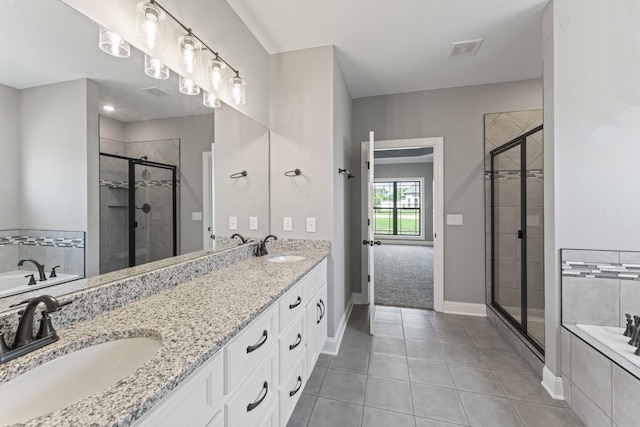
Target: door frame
{"type": "Point", "coordinates": [437, 143]}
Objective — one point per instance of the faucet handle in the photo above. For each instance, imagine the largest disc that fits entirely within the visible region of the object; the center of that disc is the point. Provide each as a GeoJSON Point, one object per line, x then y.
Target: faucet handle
{"type": "Point", "coordinates": [46, 328]}
{"type": "Point", "coordinates": [53, 272]}
{"type": "Point", "coordinates": [32, 279]}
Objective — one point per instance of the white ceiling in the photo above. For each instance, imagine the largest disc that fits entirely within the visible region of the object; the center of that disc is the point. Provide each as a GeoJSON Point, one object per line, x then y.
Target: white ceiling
{"type": "Point", "coordinates": [386, 47]}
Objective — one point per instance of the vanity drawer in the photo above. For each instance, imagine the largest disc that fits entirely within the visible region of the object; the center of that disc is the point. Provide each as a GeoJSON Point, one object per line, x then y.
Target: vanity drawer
{"type": "Point", "coordinates": [251, 403]}
{"type": "Point", "coordinates": [293, 343]}
{"type": "Point", "coordinates": [316, 278]}
{"type": "Point", "coordinates": [291, 390]}
{"type": "Point", "coordinates": [250, 347]}
{"type": "Point", "coordinates": [292, 304]}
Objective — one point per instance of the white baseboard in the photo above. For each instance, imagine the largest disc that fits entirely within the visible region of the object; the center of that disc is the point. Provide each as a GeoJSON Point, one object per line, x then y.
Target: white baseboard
{"type": "Point", "coordinates": [552, 384]}
{"type": "Point", "coordinates": [466, 308]}
{"type": "Point", "coordinates": [332, 346]}
{"type": "Point", "coordinates": [359, 299]}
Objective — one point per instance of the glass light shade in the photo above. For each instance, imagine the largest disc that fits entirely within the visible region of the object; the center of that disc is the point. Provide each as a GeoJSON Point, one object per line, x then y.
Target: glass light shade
{"type": "Point", "coordinates": [215, 70]}
{"type": "Point", "coordinates": [113, 44]}
{"type": "Point", "coordinates": [154, 68]}
{"type": "Point", "coordinates": [210, 99]}
{"type": "Point", "coordinates": [191, 50]}
{"type": "Point", "coordinates": [238, 90]}
{"type": "Point", "coordinates": [151, 25]}
{"type": "Point", "coordinates": [188, 87]}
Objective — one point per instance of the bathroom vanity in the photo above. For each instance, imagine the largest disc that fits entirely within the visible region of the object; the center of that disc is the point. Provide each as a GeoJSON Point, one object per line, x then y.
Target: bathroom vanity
{"type": "Point", "coordinates": [238, 340]}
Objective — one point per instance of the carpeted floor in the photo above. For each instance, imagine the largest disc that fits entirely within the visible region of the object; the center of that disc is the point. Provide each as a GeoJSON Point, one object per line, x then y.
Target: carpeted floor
{"type": "Point", "coordinates": [404, 276]}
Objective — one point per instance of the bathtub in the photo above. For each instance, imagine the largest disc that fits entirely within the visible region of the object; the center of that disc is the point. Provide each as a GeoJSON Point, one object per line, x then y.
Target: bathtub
{"type": "Point", "coordinates": [613, 339]}
{"type": "Point", "coordinates": [14, 282]}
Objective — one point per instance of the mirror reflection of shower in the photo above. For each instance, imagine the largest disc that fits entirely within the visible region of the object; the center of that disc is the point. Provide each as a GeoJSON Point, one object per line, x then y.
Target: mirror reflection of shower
{"type": "Point", "coordinates": [138, 202]}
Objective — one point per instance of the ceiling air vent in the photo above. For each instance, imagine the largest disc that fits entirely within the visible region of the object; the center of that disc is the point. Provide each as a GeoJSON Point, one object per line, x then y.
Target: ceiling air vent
{"type": "Point", "coordinates": [154, 91]}
{"type": "Point", "coordinates": [466, 48]}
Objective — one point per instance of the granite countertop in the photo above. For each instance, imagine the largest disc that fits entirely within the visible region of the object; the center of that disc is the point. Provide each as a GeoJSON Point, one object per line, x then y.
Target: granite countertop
{"type": "Point", "coordinates": [192, 320]}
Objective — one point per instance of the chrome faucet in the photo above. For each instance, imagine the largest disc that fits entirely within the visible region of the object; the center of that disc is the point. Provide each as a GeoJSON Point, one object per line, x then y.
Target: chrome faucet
{"type": "Point", "coordinates": [261, 250]}
{"type": "Point", "coordinates": [39, 266]}
{"type": "Point", "coordinates": [242, 239]}
{"type": "Point", "coordinates": [24, 341]}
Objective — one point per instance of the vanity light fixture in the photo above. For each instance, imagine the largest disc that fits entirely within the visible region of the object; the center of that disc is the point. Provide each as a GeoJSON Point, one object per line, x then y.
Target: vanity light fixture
{"type": "Point", "coordinates": [154, 68]}
{"type": "Point", "coordinates": [113, 44]}
{"type": "Point", "coordinates": [215, 69]}
{"type": "Point", "coordinates": [191, 49]}
{"type": "Point", "coordinates": [151, 25]}
{"type": "Point", "coordinates": [187, 86]}
{"type": "Point", "coordinates": [238, 90]}
{"type": "Point", "coordinates": [209, 99]}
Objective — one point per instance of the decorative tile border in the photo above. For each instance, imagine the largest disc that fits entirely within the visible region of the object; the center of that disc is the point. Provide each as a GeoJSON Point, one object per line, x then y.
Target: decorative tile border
{"type": "Point", "coordinates": [531, 173]}
{"type": "Point", "coordinates": [601, 270]}
{"type": "Point", "coordinates": [125, 184]}
{"type": "Point", "coordinates": [22, 238]}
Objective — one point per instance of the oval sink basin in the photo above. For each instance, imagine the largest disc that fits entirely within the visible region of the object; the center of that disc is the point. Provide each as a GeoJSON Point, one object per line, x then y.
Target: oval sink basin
{"type": "Point", "coordinates": [285, 258]}
{"type": "Point", "coordinates": [70, 378]}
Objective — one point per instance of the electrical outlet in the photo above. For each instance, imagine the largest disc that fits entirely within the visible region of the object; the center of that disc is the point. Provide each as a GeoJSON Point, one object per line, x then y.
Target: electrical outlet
{"type": "Point", "coordinates": [196, 216]}
{"type": "Point", "coordinates": [311, 225]}
{"type": "Point", "coordinates": [287, 223]}
{"type": "Point", "coordinates": [454, 219]}
{"type": "Point", "coordinates": [253, 223]}
{"type": "Point", "coordinates": [533, 220]}
{"type": "Point", "coordinates": [233, 223]}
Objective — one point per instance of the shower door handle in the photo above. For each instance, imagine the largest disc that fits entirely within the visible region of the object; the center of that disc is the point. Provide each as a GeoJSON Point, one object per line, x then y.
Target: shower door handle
{"type": "Point", "coordinates": [520, 234]}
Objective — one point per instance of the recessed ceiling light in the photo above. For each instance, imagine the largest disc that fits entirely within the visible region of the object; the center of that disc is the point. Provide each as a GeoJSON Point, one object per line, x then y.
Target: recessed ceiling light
{"type": "Point", "coordinates": [108, 108]}
{"type": "Point", "coordinates": [465, 48]}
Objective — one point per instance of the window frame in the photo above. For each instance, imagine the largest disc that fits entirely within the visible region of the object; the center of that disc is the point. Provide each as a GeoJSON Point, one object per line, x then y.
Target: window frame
{"type": "Point", "coordinates": [422, 210]}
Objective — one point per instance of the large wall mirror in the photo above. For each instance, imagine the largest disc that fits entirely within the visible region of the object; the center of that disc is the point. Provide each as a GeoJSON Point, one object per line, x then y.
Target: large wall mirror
{"type": "Point", "coordinates": [97, 190]}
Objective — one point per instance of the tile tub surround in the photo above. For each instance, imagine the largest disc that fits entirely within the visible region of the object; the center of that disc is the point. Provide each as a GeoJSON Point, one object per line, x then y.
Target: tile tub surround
{"type": "Point", "coordinates": [48, 247]}
{"type": "Point", "coordinates": [601, 391]}
{"type": "Point", "coordinates": [599, 287]}
{"type": "Point", "coordinates": [193, 321]}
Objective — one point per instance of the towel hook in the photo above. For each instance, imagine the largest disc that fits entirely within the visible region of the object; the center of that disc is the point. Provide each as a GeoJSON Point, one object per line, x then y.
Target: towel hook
{"type": "Point", "coordinates": [346, 172]}
{"type": "Point", "coordinates": [294, 172]}
{"type": "Point", "coordinates": [238, 175]}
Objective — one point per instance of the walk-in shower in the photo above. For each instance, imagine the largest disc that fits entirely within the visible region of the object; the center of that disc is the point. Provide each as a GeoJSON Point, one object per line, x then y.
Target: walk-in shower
{"type": "Point", "coordinates": [138, 211]}
{"type": "Point", "coordinates": [515, 226]}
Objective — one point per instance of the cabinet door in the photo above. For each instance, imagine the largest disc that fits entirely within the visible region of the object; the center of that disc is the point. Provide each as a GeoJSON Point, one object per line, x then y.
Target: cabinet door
{"type": "Point", "coordinates": [193, 403]}
{"type": "Point", "coordinates": [321, 327]}
{"type": "Point", "coordinates": [292, 389]}
{"type": "Point", "coordinates": [313, 314]}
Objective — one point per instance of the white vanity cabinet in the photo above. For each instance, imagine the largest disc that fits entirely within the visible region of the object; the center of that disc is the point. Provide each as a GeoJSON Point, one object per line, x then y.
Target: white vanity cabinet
{"type": "Point", "coordinates": [257, 378]}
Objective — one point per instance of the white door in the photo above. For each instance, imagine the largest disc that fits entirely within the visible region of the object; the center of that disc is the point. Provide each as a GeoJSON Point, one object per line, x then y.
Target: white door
{"type": "Point", "coordinates": [370, 237]}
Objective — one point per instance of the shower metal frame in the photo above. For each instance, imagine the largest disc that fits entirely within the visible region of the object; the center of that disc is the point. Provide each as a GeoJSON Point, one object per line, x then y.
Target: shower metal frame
{"type": "Point", "coordinates": [132, 201]}
{"type": "Point", "coordinates": [522, 236]}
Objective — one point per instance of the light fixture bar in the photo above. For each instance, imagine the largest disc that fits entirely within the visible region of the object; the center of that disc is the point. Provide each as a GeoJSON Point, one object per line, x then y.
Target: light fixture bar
{"type": "Point", "coordinates": [190, 33]}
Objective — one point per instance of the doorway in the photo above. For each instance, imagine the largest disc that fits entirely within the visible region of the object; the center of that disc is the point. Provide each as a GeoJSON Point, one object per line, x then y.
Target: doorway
{"type": "Point", "coordinates": [404, 215]}
{"type": "Point", "coordinates": [403, 223]}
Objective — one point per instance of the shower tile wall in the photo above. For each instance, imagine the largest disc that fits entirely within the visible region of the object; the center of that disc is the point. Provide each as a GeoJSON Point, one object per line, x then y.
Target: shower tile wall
{"type": "Point", "coordinates": [48, 247]}
{"type": "Point", "coordinates": [114, 212]}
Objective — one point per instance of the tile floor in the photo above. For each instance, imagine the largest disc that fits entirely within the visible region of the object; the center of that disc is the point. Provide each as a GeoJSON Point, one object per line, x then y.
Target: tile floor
{"type": "Point", "coordinates": [425, 369]}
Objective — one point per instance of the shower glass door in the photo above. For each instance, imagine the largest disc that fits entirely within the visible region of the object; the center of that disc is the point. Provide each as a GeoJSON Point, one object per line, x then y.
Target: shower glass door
{"type": "Point", "coordinates": [152, 221]}
{"type": "Point", "coordinates": [517, 245]}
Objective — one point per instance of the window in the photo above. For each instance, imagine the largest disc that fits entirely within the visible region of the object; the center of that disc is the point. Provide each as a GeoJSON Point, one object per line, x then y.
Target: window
{"type": "Point", "coordinates": [397, 208]}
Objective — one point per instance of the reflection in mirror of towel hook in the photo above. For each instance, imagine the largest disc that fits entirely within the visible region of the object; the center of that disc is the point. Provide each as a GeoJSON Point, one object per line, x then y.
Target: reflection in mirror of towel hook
{"type": "Point", "coordinates": [295, 172]}
{"type": "Point", "coordinates": [238, 175]}
{"type": "Point", "coordinates": [346, 172]}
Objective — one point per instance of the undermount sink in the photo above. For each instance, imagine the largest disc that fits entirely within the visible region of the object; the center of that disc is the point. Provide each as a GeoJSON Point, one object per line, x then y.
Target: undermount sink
{"type": "Point", "coordinates": [72, 377]}
{"type": "Point", "coordinates": [285, 258]}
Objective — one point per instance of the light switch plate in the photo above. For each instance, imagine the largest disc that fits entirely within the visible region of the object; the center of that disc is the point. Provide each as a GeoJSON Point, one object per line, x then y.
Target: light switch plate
{"type": "Point", "coordinates": [196, 216]}
{"type": "Point", "coordinates": [287, 223]}
{"type": "Point", "coordinates": [311, 225]}
{"type": "Point", "coordinates": [253, 223]}
{"type": "Point", "coordinates": [233, 223]}
{"type": "Point", "coordinates": [454, 219]}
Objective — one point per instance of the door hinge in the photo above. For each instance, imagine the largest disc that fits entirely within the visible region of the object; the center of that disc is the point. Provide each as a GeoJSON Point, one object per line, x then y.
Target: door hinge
{"type": "Point", "coordinates": [368, 278]}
